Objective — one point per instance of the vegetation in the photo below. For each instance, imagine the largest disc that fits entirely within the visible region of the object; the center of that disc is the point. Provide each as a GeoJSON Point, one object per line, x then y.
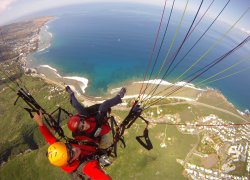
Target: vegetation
{"type": "Point", "coordinates": [134, 162]}
{"type": "Point", "coordinates": [22, 134]}
{"type": "Point", "coordinates": [216, 99]}
{"type": "Point", "coordinates": [32, 165]}
{"type": "Point", "coordinates": [23, 147]}
{"type": "Point", "coordinates": [18, 131]}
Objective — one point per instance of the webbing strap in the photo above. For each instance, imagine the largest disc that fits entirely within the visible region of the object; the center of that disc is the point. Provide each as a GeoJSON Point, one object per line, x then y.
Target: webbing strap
{"type": "Point", "coordinates": [147, 144]}
{"type": "Point", "coordinates": [35, 107]}
{"type": "Point", "coordinates": [118, 131]}
{"type": "Point", "coordinates": [116, 136]}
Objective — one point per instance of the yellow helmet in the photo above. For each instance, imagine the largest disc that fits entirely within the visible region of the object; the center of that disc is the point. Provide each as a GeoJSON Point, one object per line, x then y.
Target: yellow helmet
{"type": "Point", "coordinates": [57, 154]}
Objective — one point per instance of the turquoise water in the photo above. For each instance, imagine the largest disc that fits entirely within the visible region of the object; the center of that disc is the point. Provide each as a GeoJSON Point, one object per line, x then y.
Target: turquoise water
{"type": "Point", "coordinates": [111, 44]}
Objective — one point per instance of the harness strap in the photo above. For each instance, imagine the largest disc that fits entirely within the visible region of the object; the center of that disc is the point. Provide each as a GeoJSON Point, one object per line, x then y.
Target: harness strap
{"type": "Point", "coordinates": [113, 126]}
{"type": "Point", "coordinates": [30, 111]}
{"type": "Point", "coordinates": [82, 133]}
{"type": "Point", "coordinates": [134, 114]}
{"type": "Point", "coordinates": [101, 118]}
{"type": "Point", "coordinates": [116, 136]}
{"type": "Point", "coordinates": [88, 143]}
{"type": "Point", "coordinates": [90, 157]}
{"type": "Point", "coordinates": [147, 144]}
{"type": "Point", "coordinates": [83, 142]}
{"type": "Point", "coordinates": [35, 107]}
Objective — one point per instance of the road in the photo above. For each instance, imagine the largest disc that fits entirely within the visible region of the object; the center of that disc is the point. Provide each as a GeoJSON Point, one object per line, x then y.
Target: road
{"type": "Point", "coordinates": [211, 107]}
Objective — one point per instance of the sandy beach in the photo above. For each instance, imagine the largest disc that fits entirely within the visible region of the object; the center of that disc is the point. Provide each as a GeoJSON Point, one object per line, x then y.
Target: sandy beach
{"type": "Point", "coordinates": [79, 84]}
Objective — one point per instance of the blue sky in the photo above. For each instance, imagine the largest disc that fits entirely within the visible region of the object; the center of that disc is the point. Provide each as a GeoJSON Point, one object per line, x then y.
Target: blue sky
{"type": "Point", "coordinates": [13, 9]}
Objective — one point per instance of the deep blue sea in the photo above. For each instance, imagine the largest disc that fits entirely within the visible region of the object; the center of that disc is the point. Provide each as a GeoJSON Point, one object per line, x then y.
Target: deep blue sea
{"type": "Point", "coordinates": [110, 44]}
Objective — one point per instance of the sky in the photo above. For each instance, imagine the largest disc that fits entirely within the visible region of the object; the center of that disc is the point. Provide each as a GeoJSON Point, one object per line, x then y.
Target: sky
{"type": "Point", "coordinates": [13, 9]}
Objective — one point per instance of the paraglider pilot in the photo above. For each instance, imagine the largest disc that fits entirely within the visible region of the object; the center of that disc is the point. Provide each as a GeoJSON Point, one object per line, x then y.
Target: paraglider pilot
{"type": "Point", "coordinates": [70, 157]}
{"type": "Point", "coordinates": [85, 124]}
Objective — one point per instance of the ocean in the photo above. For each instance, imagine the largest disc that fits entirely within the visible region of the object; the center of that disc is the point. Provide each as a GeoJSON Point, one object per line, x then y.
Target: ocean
{"type": "Point", "coordinates": [111, 44]}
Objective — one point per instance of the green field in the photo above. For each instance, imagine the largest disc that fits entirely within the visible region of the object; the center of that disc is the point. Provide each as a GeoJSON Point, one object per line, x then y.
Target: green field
{"type": "Point", "coordinates": [134, 162]}
{"type": "Point", "coordinates": [19, 133]}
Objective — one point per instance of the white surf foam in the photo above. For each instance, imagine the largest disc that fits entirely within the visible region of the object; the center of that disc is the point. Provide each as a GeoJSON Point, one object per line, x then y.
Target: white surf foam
{"type": "Point", "coordinates": [83, 82]}
{"type": "Point", "coordinates": [162, 82]}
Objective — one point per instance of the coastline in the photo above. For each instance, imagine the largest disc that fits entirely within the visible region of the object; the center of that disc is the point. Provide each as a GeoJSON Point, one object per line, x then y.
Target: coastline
{"type": "Point", "coordinates": [53, 75]}
{"type": "Point", "coordinates": [163, 82]}
{"type": "Point", "coordinates": [79, 84]}
{"type": "Point", "coordinates": [45, 38]}
{"type": "Point", "coordinates": [189, 93]}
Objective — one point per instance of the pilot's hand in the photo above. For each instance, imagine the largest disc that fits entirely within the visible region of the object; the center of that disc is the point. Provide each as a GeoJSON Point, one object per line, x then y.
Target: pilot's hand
{"type": "Point", "coordinates": [38, 118]}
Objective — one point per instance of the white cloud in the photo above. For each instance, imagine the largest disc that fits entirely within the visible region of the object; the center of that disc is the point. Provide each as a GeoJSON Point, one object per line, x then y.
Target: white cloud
{"type": "Point", "coordinates": [245, 30]}
{"type": "Point", "coordinates": [12, 9]}
{"type": "Point", "coordinates": [4, 4]}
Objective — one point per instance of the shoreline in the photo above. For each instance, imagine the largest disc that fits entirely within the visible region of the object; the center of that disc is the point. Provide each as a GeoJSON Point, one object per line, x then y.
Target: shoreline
{"type": "Point", "coordinates": [79, 84]}
{"type": "Point", "coordinates": [163, 82]}
{"type": "Point", "coordinates": [52, 73]}
{"type": "Point", "coordinates": [46, 45]}
{"type": "Point", "coordinates": [45, 37]}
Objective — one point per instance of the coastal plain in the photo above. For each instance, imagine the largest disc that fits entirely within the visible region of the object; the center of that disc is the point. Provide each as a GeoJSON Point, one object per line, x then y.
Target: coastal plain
{"type": "Point", "coordinates": [192, 131]}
